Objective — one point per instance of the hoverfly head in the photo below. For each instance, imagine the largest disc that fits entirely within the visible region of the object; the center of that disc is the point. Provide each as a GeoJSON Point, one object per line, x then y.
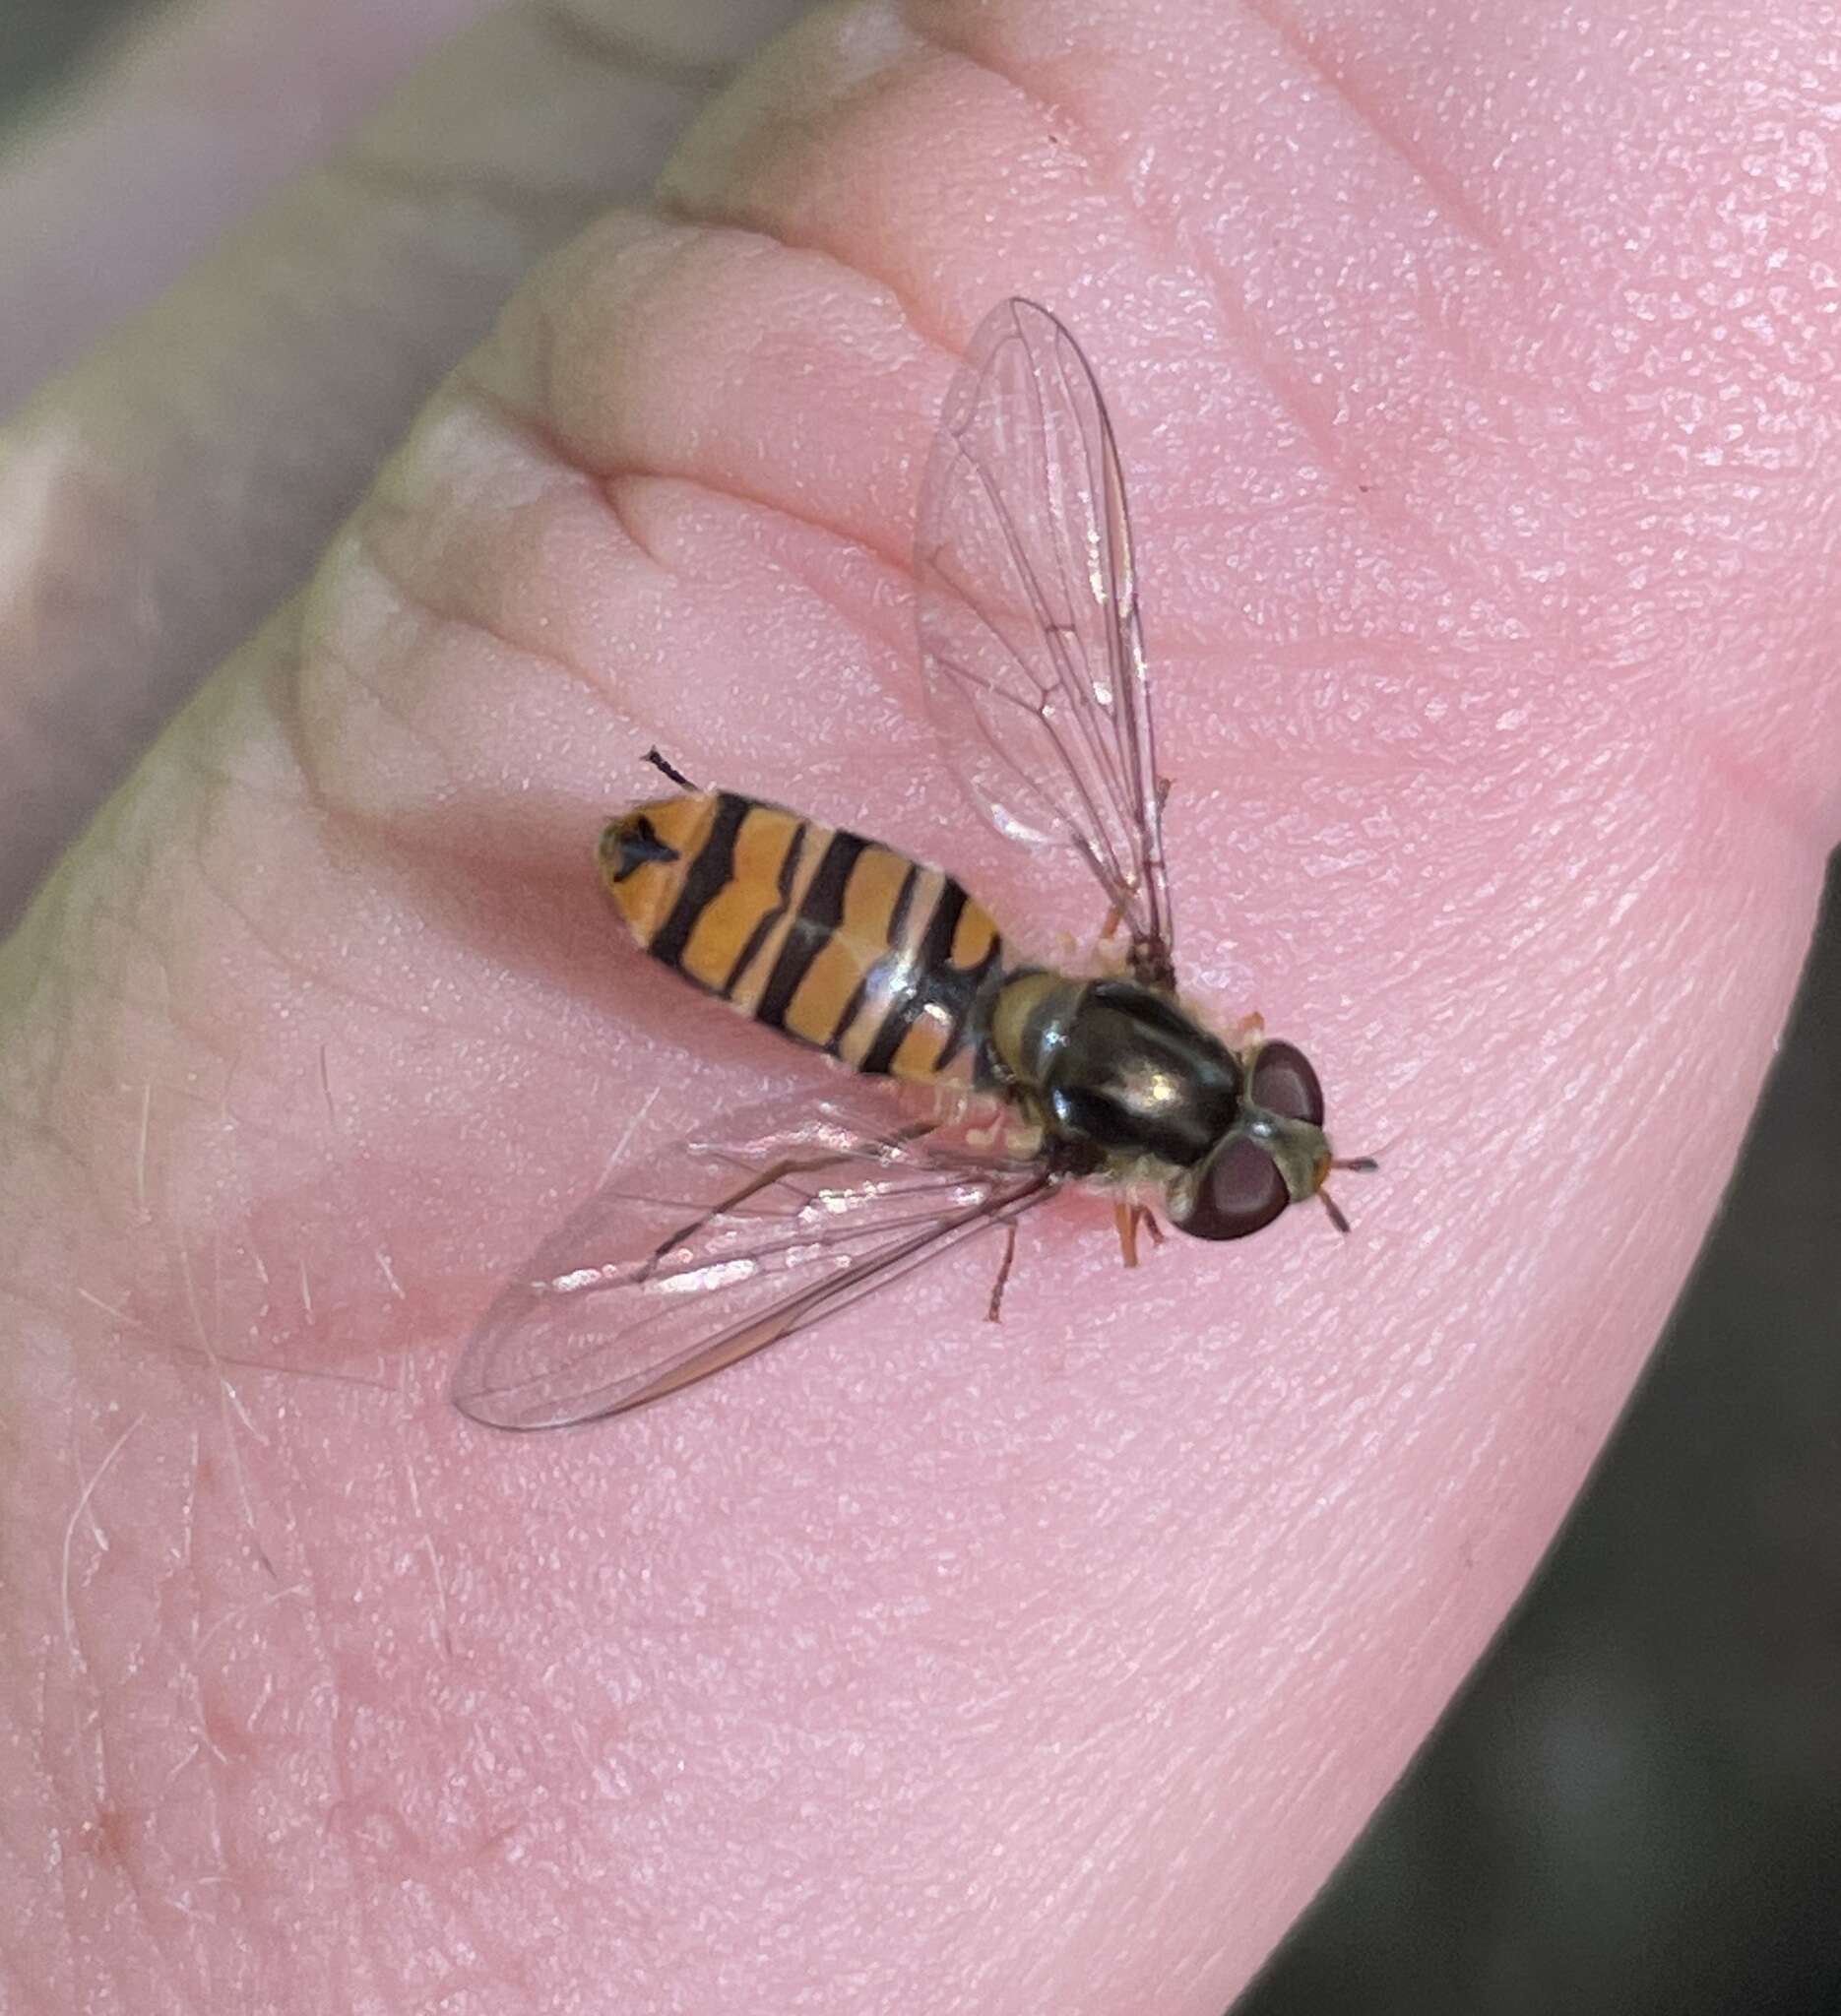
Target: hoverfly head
{"type": "Point", "coordinates": [1276, 1152]}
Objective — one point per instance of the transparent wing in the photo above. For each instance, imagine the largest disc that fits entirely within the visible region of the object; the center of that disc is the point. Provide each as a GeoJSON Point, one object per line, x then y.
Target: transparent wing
{"type": "Point", "coordinates": [1030, 639]}
{"type": "Point", "coordinates": [681, 1265]}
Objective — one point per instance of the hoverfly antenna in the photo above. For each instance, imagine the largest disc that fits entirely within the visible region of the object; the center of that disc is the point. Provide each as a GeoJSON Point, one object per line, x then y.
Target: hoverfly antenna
{"type": "Point", "coordinates": [1358, 1164]}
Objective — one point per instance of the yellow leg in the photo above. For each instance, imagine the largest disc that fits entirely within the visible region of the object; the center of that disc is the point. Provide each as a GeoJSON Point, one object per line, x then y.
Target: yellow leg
{"type": "Point", "coordinates": [1127, 1217]}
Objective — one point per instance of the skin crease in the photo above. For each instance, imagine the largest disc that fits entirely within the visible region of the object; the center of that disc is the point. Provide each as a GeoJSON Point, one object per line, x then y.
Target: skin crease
{"type": "Point", "coordinates": [161, 497]}
{"type": "Point", "coordinates": [1474, 377]}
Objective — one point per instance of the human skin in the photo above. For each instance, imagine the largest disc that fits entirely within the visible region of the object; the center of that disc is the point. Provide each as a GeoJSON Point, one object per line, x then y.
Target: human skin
{"type": "Point", "coordinates": [1475, 376]}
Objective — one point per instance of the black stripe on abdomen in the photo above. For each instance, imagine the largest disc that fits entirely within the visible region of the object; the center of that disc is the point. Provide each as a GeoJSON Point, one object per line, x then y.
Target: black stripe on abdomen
{"type": "Point", "coordinates": [788, 874]}
{"type": "Point", "coordinates": [898, 923]}
{"type": "Point", "coordinates": [706, 878]}
{"type": "Point", "coordinates": [931, 968]}
{"type": "Point", "coordinates": [820, 912]}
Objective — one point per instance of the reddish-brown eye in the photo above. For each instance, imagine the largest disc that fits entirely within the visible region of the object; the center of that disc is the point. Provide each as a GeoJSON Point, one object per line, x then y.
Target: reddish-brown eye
{"type": "Point", "coordinates": [1241, 1191]}
{"type": "Point", "coordinates": [1284, 1083]}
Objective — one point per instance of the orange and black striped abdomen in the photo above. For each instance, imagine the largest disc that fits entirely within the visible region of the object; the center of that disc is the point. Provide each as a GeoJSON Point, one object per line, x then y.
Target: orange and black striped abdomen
{"type": "Point", "coordinates": [838, 942]}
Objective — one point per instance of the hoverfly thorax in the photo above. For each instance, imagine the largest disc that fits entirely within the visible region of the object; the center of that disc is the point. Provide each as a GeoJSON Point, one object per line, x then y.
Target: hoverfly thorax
{"type": "Point", "coordinates": [1118, 1066]}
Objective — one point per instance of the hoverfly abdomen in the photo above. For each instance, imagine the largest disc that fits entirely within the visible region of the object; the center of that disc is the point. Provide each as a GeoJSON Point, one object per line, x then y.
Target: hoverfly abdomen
{"type": "Point", "coordinates": [834, 940]}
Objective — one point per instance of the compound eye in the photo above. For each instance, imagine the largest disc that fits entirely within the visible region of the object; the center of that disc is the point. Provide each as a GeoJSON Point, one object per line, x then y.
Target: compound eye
{"type": "Point", "coordinates": [1241, 1191]}
{"type": "Point", "coordinates": [1284, 1084]}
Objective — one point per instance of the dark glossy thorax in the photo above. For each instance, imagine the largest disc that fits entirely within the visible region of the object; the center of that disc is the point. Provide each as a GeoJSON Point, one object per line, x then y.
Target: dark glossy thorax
{"type": "Point", "coordinates": [1127, 1070]}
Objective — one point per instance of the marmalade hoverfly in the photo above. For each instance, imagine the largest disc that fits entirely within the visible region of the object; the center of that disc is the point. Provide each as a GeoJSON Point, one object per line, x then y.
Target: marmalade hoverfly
{"type": "Point", "coordinates": [1034, 661]}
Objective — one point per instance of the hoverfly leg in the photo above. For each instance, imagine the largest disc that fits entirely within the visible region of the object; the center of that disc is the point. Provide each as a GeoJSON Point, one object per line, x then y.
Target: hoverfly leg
{"type": "Point", "coordinates": [1125, 1216]}
{"type": "Point", "coordinates": [1128, 1218]}
{"type": "Point", "coordinates": [993, 1312]}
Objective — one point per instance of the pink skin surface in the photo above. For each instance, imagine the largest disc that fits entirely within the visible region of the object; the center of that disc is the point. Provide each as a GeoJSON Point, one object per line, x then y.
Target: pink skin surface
{"type": "Point", "coordinates": [1475, 380]}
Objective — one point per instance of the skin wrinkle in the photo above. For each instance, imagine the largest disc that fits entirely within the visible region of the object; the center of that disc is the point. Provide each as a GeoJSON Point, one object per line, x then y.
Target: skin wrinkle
{"type": "Point", "coordinates": [722, 238]}
{"type": "Point", "coordinates": [609, 480]}
{"type": "Point", "coordinates": [431, 613]}
{"type": "Point", "coordinates": [602, 484]}
{"type": "Point", "coordinates": [319, 655]}
{"type": "Point", "coordinates": [1290, 392]}
{"type": "Point", "coordinates": [861, 540]}
{"type": "Point", "coordinates": [1448, 196]}
{"type": "Point", "coordinates": [609, 490]}
{"type": "Point", "coordinates": [1300, 406]}
{"type": "Point", "coordinates": [117, 899]}
{"type": "Point", "coordinates": [265, 940]}
{"type": "Point", "coordinates": [381, 509]}
{"type": "Point", "coordinates": [224, 781]}
{"type": "Point", "coordinates": [81, 968]}
{"type": "Point", "coordinates": [35, 1123]}
{"type": "Point", "coordinates": [1344, 469]}
{"type": "Point", "coordinates": [706, 214]}
{"type": "Point", "coordinates": [823, 588]}
{"type": "Point", "coordinates": [260, 937]}
{"type": "Point", "coordinates": [280, 413]}
{"type": "Point", "coordinates": [385, 848]}
{"type": "Point", "coordinates": [421, 1020]}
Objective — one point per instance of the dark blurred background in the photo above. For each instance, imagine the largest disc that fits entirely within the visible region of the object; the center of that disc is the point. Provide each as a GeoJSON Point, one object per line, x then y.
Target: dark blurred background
{"type": "Point", "coordinates": [42, 41]}
{"type": "Point", "coordinates": [1635, 1805]}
